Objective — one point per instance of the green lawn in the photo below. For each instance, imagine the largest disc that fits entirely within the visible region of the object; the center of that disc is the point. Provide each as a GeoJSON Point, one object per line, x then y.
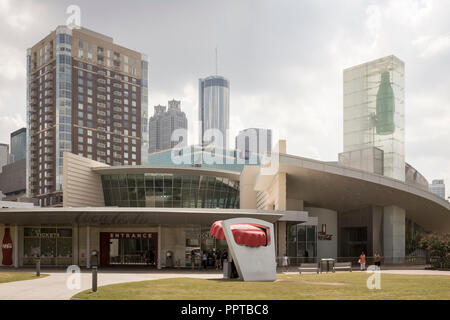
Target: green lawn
{"type": "Point", "coordinates": [18, 276]}
{"type": "Point", "coordinates": [341, 286]}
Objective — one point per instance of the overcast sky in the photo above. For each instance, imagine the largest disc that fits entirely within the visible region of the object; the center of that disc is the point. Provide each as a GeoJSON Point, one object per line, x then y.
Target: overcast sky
{"type": "Point", "coordinates": [284, 60]}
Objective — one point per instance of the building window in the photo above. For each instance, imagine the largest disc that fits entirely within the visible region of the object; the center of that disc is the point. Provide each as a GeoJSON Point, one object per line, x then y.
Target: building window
{"type": "Point", "coordinates": [301, 242]}
{"type": "Point", "coordinates": [53, 244]}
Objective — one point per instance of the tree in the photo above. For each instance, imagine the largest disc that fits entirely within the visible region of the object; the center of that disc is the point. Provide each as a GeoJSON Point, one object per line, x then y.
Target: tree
{"type": "Point", "coordinates": [438, 245]}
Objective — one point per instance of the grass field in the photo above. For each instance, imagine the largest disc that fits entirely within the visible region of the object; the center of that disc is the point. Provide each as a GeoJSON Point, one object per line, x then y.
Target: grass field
{"type": "Point", "coordinates": [18, 276]}
{"type": "Point", "coordinates": [342, 286]}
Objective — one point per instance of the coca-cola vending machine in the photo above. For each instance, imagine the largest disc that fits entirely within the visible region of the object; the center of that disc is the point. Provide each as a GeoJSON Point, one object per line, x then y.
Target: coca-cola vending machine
{"type": "Point", "coordinates": [7, 248]}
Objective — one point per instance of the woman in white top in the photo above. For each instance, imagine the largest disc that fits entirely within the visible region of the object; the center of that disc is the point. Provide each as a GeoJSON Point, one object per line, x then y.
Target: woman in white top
{"type": "Point", "coordinates": [285, 262]}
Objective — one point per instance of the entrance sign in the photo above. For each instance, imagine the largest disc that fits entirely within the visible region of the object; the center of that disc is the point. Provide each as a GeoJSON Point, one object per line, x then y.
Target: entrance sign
{"type": "Point", "coordinates": [130, 235]}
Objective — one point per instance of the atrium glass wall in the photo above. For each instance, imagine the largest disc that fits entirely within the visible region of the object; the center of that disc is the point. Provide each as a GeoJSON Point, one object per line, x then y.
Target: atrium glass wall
{"type": "Point", "coordinates": [170, 191]}
{"type": "Point", "coordinates": [374, 103]}
{"type": "Point", "coordinates": [301, 243]}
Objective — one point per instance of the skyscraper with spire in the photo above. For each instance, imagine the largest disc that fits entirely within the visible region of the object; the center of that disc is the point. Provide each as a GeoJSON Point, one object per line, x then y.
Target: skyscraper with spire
{"type": "Point", "coordinates": [214, 107]}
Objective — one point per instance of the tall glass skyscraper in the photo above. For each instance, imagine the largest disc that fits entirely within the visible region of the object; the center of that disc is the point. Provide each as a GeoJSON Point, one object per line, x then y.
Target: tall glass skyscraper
{"type": "Point", "coordinates": [374, 115]}
{"type": "Point", "coordinates": [214, 107]}
{"type": "Point", "coordinates": [18, 145]}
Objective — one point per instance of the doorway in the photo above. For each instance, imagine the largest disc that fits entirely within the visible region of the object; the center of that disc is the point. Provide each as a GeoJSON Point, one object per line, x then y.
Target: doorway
{"type": "Point", "coordinates": [128, 248]}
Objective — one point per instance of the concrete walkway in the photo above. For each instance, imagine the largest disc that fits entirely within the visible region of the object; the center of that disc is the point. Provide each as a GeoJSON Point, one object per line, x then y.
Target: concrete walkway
{"type": "Point", "coordinates": [54, 287]}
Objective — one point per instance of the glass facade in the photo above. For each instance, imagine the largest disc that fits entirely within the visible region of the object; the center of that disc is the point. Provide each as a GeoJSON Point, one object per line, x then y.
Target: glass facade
{"type": "Point", "coordinates": [53, 244]}
{"type": "Point", "coordinates": [18, 145]}
{"type": "Point", "coordinates": [144, 108]}
{"type": "Point", "coordinates": [214, 106]}
{"type": "Point", "coordinates": [170, 191]}
{"type": "Point", "coordinates": [374, 103]}
{"type": "Point", "coordinates": [301, 242]}
{"type": "Point", "coordinates": [63, 99]}
{"type": "Point", "coordinates": [199, 241]}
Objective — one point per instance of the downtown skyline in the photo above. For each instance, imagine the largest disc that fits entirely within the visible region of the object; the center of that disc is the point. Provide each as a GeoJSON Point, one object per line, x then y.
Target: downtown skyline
{"type": "Point", "coordinates": [299, 90]}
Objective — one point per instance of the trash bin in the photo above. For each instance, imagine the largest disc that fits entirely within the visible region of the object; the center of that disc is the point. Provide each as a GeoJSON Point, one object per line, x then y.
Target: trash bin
{"type": "Point", "coordinates": [169, 259]}
{"type": "Point", "coordinates": [94, 258]}
{"type": "Point", "coordinates": [226, 269]}
{"type": "Point", "coordinates": [326, 265]}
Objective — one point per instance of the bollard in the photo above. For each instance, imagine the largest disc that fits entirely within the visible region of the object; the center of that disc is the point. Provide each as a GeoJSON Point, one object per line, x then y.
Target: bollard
{"type": "Point", "coordinates": [94, 279]}
{"type": "Point", "coordinates": [38, 267]}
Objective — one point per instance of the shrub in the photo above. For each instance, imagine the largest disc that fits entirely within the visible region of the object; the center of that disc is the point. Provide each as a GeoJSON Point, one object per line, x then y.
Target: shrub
{"type": "Point", "coordinates": [438, 245]}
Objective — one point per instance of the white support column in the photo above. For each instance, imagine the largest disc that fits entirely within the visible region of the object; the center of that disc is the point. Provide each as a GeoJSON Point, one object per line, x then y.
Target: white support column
{"type": "Point", "coordinates": [394, 233]}
{"type": "Point", "coordinates": [159, 247]}
{"type": "Point", "coordinates": [16, 247]}
{"type": "Point", "coordinates": [88, 245]}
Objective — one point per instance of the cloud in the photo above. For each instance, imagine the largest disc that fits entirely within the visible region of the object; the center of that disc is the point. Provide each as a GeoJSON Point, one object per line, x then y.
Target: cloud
{"type": "Point", "coordinates": [284, 60]}
{"type": "Point", "coordinates": [432, 45]}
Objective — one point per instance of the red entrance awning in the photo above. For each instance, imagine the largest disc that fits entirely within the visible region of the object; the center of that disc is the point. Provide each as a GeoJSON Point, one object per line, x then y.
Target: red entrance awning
{"type": "Point", "coordinates": [246, 234]}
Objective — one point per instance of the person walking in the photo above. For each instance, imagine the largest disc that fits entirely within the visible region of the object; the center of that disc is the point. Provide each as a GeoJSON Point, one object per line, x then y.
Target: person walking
{"type": "Point", "coordinates": [362, 261]}
{"type": "Point", "coordinates": [193, 259]}
{"type": "Point", "coordinates": [218, 257]}
{"type": "Point", "coordinates": [285, 263]}
{"type": "Point", "coordinates": [204, 260]}
{"type": "Point", "coordinates": [377, 259]}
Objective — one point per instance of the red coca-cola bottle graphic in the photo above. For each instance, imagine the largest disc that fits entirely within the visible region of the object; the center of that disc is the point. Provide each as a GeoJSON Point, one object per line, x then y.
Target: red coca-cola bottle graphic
{"type": "Point", "coordinates": [7, 248]}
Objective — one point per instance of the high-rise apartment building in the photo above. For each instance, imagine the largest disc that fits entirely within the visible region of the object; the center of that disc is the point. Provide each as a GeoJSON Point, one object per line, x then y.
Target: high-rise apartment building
{"type": "Point", "coordinates": [374, 116]}
{"type": "Point", "coordinates": [438, 188]}
{"type": "Point", "coordinates": [254, 141]}
{"type": "Point", "coordinates": [18, 145]}
{"type": "Point", "coordinates": [214, 108]}
{"type": "Point", "coordinates": [4, 155]}
{"type": "Point", "coordinates": [163, 124]}
{"type": "Point", "coordinates": [85, 95]}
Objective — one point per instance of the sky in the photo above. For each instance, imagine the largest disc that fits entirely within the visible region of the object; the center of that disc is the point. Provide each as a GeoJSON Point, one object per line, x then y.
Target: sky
{"type": "Point", "coordinates": [284, 59]}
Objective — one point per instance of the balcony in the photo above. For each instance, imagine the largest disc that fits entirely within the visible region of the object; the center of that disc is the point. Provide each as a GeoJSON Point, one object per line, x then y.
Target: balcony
{"type": "Point", "coordinates": [101, 97]}
{"type": "Point", "coordinates": [117, 93]}
{"type": "Point", "coordinates": [102, 81]}
{"type": "Point", "coordinates": [48, 142]}
{"type": "Point", "coordinates": [48, 134]}
{"type": "Point", "coordinates": [101, 89]}
{"type": "Point", "coordinates": [49, 151]}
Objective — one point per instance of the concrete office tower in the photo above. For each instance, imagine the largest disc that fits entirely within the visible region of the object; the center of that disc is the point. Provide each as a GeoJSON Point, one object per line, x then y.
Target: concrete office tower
{"type": "Point", "coordinates": [4, 155]}
{"type": "Point", "coordinates": [214, 107]}
{"type": "Point", "coordinates": [254, 141]}
{"type": "Point", "coordinates": [374, 109]}
{"type": "Point", "coordinates": [85, 95]}
{"type": "Point", "coordinates": [163, 124]}
{"type": "Point", "coordinates": [18, 145]}
{"type": "Point", "coordinates": [438, 188]}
